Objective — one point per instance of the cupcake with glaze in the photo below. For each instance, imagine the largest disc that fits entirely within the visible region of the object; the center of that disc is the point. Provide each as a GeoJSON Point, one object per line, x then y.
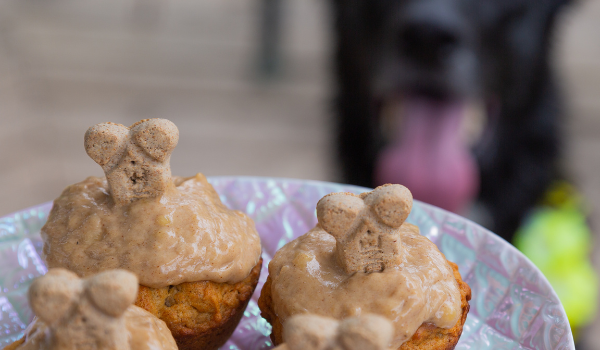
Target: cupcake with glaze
{"type": "Point", "coordinates": [363, 258]}
{"type": "Point", "coordinates": [197, 261]}
{"type": "Point", "coordinates": [92, 314]}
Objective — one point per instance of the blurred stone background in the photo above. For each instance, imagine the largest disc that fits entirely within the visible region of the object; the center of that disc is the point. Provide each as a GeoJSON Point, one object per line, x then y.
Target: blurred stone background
{"type": "Point", "coordinates": [68, 64]}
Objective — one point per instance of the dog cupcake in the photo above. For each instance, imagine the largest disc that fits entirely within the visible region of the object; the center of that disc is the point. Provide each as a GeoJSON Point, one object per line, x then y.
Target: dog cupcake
{"type": "Point", "coordinates": [94, 314]}
{"type": "Point", "coordinates": [363, 258]}
{"type": "Point", "coordinates": [197, 261]}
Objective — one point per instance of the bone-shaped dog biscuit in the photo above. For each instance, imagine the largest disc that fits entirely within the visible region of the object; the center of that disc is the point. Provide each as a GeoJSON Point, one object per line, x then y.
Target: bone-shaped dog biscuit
{"type": "Point", "coordinates": [135, 159]}
{"type": "Point", "coordinates": [366, 227]}
{"type": "Point", "coordinates": [95, 313]}
{"type": "Point", "coordinates": [84, 314]}
{"type": "Point", "coordinates": [312, 332]}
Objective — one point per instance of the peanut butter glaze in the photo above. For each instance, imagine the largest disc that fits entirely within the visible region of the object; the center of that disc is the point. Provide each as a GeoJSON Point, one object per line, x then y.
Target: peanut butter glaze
{"type": "Point", "coordinates": [145, 332]}
{"type": "Point", "coordinates": [307, 278]}
{"type": "Point", "coordinates": [95, 313]}
{"type": "Point", "coordinates": [184, 235]}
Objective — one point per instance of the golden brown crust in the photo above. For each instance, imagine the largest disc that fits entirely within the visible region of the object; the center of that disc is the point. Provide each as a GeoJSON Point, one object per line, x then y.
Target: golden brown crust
{"type": "Point", "coordinates": [430, 337]}
{"type": "Point", "coordinates": [200, 315]}
{"type": "Point", "coordinates": [15, 345]}
{"type": "Point", "coordinates": [427, 337]}
{"type": "Point", "coordinates": [267, 311]}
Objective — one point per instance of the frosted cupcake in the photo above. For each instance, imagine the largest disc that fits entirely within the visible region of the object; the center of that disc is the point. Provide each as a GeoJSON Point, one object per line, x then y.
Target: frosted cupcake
{"type": "Point", "coordinates": [94, 314]}
{"type": "Point", "coordinates": [363, 258]}
{"type": "Point", "coordinates": [197, 261]}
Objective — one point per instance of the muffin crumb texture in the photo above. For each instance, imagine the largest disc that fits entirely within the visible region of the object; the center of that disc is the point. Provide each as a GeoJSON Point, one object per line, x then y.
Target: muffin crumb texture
{"type": "Point", "coordinates": [201, 315]}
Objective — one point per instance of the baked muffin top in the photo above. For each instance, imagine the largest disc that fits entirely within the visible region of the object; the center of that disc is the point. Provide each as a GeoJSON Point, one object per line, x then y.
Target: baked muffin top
{"type": "Point", "coordinates": [167, 230]}
{"type": "Point", "coordinates": [362, 258]}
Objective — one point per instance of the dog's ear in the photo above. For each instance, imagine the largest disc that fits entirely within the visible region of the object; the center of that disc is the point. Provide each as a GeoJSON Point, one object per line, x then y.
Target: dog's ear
{"type": "Point", "coordinates": [557, 5]}
{"type": "Point", "coordinates": [337, 212]}
{"type": "Point", "coordinates": [113, 291]}
{"type": "Point", "coordinates": [565, 2]}
{"type": "Point", "coordinates": [54, 294]}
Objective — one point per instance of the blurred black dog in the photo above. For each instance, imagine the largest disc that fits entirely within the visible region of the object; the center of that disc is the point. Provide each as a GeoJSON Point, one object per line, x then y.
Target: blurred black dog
{"type": "Point", "coordinates": [410, 72]}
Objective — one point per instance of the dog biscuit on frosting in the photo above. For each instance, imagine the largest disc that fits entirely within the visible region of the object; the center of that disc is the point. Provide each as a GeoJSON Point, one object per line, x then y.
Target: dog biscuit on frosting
{"type": "Point", "coordinates": [95, 313]}
{"type": "Point", "coordinates": [135, 159]}
{"type": "Point", "coordinates": [366, 227]}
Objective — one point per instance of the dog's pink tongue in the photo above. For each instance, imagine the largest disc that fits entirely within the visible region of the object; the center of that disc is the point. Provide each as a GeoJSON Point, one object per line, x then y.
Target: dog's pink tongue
{"type": "Point", "coordinates": [428, 156]}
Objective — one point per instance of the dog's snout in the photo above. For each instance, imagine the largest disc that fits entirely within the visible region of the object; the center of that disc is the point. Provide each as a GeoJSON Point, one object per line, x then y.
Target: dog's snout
{"type": "Point", "coordinates": [428, 42]}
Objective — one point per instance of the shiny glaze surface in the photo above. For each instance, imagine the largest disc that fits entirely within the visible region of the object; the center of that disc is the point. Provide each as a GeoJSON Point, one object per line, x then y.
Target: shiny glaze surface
{"type": "Point", "coordinates": [185, 235]}
{"type": "Point", "coordinates": [307, 278]}
{"type": "Point", "coordinates": [146, 332]}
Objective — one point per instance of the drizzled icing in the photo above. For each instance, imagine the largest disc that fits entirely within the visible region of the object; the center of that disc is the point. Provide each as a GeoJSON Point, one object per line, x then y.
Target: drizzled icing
{"type": "Point", "coordinates": [184, 235]}
{"type": "Point", "coordinates": [363, 258]}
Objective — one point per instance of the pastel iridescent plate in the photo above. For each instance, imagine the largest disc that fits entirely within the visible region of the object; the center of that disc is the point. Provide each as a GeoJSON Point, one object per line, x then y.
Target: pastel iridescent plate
{"type": "Point", "coordinates": [513, 305]}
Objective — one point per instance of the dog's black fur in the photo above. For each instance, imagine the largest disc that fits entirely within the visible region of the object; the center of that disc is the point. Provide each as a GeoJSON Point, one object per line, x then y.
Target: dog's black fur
{"type": "Point", "coordinates": [506, 44]}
